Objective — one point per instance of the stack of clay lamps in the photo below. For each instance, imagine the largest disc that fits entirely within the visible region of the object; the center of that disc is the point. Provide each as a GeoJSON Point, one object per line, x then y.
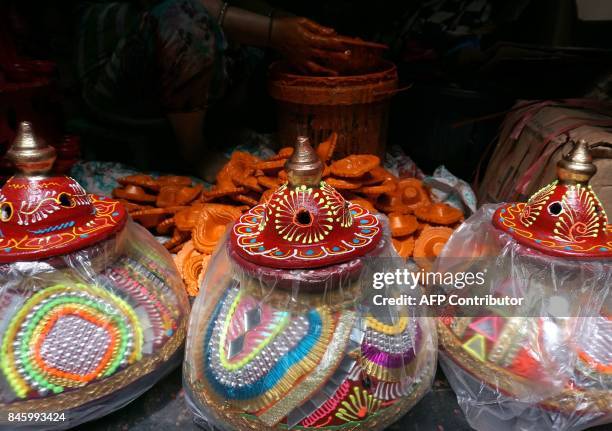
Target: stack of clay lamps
{"type": "Point", "coordinates": [196, 219]}
{"type": "Point", "coordinates": [419, 227]}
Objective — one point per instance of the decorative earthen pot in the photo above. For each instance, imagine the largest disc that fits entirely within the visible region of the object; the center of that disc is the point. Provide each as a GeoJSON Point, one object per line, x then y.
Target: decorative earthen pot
{"type": "Point", "coordinates": [283, 334]}
{"type": "Point", "coordinates": [545, 363]}
{"type": "Point", "coordinates": [92, 310]}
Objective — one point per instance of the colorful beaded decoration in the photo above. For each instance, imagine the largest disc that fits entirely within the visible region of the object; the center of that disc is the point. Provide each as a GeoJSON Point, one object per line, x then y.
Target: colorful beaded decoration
{"type": "Point", "coordinates": [65, 336]}
{"type": "Point", "coordinates": [137, 280]}
{"type": "Point", "coordinates": [275, 365]}
{"type": "Point", "coordinates": [358, 399]}
{"type": "Point", "coordinates": [253, 354]}
{"type": "Point", "coordinates": [388, 351]}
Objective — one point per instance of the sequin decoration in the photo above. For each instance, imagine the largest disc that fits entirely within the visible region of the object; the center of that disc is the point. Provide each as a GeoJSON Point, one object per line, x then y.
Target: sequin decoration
{"type": "Point", "coordinates": [137, 279]}
{"type": "Point", "coordinates": [66, 336]}
{"type": "Point", "coordinates": [271, 356]}
{"type": "Point", "coordinates": [389, 356]}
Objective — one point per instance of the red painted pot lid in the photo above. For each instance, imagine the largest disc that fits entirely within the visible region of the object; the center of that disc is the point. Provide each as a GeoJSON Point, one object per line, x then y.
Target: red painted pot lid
{"type": "Point", "coordinates": [42, 216]}
{"type": "Point", "coordinates": [565, 218]}
{"type": "Point", "coordinates": [306, 223]}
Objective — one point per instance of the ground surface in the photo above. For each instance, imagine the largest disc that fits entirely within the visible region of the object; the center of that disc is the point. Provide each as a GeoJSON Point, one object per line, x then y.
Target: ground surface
{"type": "Point", "coordinates": [163, 408]}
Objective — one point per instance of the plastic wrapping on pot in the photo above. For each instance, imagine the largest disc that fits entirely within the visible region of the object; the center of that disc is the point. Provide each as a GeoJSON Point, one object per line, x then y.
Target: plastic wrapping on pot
{"type": "Point", "coordinates": [546, 363]}
{"type": "Point", "coordinates": [92, 310]}
{"type": "Point", "coordinates": [283, 334]}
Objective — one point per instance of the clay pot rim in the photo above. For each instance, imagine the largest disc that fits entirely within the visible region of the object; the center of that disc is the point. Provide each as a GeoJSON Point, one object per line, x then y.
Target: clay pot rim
{"type": "Point", "coordinates": [311, 280]}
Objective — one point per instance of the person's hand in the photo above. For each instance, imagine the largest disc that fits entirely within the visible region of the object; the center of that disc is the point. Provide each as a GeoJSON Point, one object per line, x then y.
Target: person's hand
{"type": "Point", "coordinates": [305, 43]}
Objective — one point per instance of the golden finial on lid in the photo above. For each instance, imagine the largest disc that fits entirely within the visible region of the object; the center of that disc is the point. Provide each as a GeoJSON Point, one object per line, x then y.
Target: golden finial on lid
{"type": "Point", "coordinates": [304, 167]}
{"type": "Point", "coordinates": [576, 167]}
{"type": "Point", "coordinates": [29, 154]}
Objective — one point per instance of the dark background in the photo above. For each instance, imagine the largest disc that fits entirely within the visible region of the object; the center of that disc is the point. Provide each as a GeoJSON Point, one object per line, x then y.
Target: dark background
{"type": "Point", "coordinates": [463, 74]}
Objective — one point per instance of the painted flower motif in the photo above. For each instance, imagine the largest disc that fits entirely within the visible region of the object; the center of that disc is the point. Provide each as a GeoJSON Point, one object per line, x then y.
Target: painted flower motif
{"type": "Point", "coordinates": [40, 203]}
{"type": "Point", "coordinates": [338, 205]}
{"type": "Point", "coordinates": [600, 209]}
{"type": "Point", "coordinates": [536, 202]}
{"type": "Point", "coordinates": [302, 215]}
{"type": "Point", "coordinates": [576, 225]}
{"type": "Point", "coordinates": [359, 405]}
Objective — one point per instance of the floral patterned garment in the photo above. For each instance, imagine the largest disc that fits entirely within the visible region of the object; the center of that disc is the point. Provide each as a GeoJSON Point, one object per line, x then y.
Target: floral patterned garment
{"type": "Point", "coordinates": [142, 62]}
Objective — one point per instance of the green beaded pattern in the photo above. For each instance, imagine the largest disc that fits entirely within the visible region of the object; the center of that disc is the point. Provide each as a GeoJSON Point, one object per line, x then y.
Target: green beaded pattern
{"type": "Point", "coordinates": [48, 345]}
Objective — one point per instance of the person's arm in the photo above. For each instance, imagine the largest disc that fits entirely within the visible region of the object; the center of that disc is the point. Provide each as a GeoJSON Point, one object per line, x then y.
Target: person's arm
{"type": "Point", "coordinates": [301, 41]}
{"type": "Point", "coordinates": [258, 6]}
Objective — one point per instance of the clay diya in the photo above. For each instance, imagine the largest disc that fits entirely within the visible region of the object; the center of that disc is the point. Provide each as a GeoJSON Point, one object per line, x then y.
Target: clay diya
{"type": "Point", "coordinates": [212, 222]}
{"type": "Point", "coordinates": [187, 219]}
{"type": "Point", "coordinates": [145, 181]}
{"type": "Point", "coordinates": [283, 154]}
{"type": "Point", "coordinates": [134, 193]}
{"type": "Point", "coordinates": [325, 150]}
{"type": "Point", "coordinates": [408, 195]}
{"type": "Point", "coordinates": [192, 268]}
{"type": "Point", "coordinates": [402, 224]}
{"type": "Point", "coordinates": [543, 364]}
{"type": "Point", "coordinates": [270, 166]}
{"type": "Point", "coordinates": [438, 213]}
{"type": "Point", "coordinates": [173, 180]}
{"type": "Point", "coordinates": [429, 245]}
{"type": "Point", "coordinates": [220, 192]}
{"type": "Point", "coordinates": [412, 193]}
{"type": "Point", "coordinates": [183, 255]}
{"type": "Point", "coordinates": [153, 217]}
{"type": "Point", "coordinates": [388, 186]}
{"type": "Point", "coordinates": [377, 176]}
{"type": "Point", "coordinates": [131, 206]}
{"type": "Point", "coordinates": [92, 310]}
{"type": "Point", "coordinates": [170, 196]}
{"type": "Point", "coordinates": [342, 184]}
{"type": "Point", "coordinates": [354, 165]}
{"type": "Point", "coordinates": [389, 203]}
{"type": "Point", "coordinates": [404, 246]}
{"type": "Point", "coordinates": [276, 338]}
{"type": "Point", "coordinates": [240, 167]}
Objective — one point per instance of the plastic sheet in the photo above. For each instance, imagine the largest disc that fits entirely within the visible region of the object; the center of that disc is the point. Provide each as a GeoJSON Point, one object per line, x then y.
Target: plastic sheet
{"type": "Point", "coordinates": [85, 333]}
{"type": "Point", "coordinates": [303, 349]}
{"type": "Point", "coordinates": [544, 364]}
